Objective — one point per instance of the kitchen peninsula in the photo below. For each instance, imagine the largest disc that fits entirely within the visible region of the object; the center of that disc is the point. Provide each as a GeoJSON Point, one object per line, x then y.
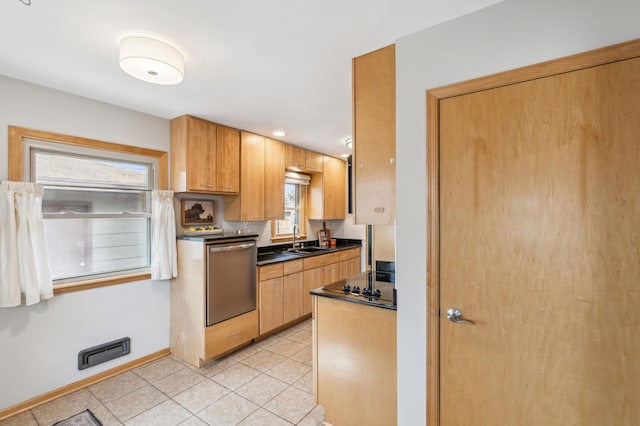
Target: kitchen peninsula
{"type": "Point", "coordinates": [354, 333]}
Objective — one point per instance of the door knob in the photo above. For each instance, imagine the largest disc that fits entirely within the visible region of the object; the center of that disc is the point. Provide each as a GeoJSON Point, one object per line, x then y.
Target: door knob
{"type": "Point", "coordinates": [454, 315]}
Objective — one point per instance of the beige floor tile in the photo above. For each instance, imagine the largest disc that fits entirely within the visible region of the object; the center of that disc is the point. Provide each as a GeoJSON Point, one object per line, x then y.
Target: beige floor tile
{"type": "Point", "coordinates": [302, 336]}
{"type": "Point", "coordinates": [268, 341]}
{"type": "Point", "coordinates": [286, 347]}
{"type": "Point", "coordinates": [22, 419]}
{"type": "Point", "coordinates": [115, 387]}
{"type": "Point", "coordinates": [292, 404]}
{"type": "Point", "coordinates": [159, 369]}
{"type": "Point", "coordinates": [305, 325]}
{"type": "Point", "coordinates": [245, 352]}
{"type": "Point", "coordinates": [304, 356]}
{"type": "Point", "coordinates": [65, 407]}
{"type": "Point", "coordinates": [201, 395]}
{"type": "Point", "coordinates": [168, 413]}
{"type": "Point", "coordinates": [229, 410]}
{"type": "Point", "coordinates": [264, 360]}
{"type": "Point", "coordinates": [217, 366]}
{"type": "Point", "coordinates": [106, 417]}
{"type": "Point", "coordinates": [175, 383]}
{"type": "Point", "coordinates": [305, 383]}
{"type": "Point", "coordinates": [193, 421]}
{"type": "Point", "coordinates": [288, 331]}
{"type": "Point", "coordinates": [136, 402]}
{"type": "Point", "coordinates": [235, 376]}
{"type": "Point", "coordinates": [261, 389]}
{"type": "Point", "coordinates": [289, 371]}
{"type": "Point", "coordinates": [314, 418]}
{"type": "Point", "coordinates": [263, 417]}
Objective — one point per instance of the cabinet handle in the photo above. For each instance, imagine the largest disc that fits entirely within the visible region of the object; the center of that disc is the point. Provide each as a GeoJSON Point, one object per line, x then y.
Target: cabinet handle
{"type": "Point", "coordinates": [207, 185]}
{"type": "Point", "coordinates": [233, 334]}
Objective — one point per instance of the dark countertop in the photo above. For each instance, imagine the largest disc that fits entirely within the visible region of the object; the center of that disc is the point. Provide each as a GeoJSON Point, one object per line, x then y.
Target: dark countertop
{"type": "Point", "coordinates": [205, 238]}
{"type": "Point", "coordinates": [274, 254]}
{"type": "Point", "coordinates": [378, 280]}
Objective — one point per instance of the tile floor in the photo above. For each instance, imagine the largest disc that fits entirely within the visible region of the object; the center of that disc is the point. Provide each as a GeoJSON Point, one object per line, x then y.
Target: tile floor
{"type": "Point", "coordinates": [268, 383]}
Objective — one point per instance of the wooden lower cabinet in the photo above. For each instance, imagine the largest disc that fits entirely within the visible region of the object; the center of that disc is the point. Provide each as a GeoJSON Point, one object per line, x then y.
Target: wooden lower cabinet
{"type": "Point", "coordinates": [354, 363]}
{"type": "Point", "coordinates": [191, 341]}
{"type": "Point", "coordinates": [292, 286]}
{"type": "Point", "coordinates": [312, 279]}
{"type": "Point", "coordinates": [284, 287]}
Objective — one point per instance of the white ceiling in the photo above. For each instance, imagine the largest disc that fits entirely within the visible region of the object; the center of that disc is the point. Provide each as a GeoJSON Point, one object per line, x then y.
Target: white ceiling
{"type": "Point", "coordinates": [257, 65]}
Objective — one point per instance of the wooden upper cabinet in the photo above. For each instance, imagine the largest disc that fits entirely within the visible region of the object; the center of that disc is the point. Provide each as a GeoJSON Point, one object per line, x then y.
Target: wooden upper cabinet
{"type": "Point", "coordinates": [299, 159]}
{"type": "Point", "coordinates": [249, 204]}
{"type": "Point", "coordinates": [228, 159]}
{"type": "Point", "coordinates": [314, 162]}
{"type": "Point", "coordinates": [205, 156]}
{"type": "Point", "coordinates": [274, 167]}
{"type": "Point", "coordinates": [327, 191]}
{"type": "Point", "coordinates": [374, 137]}
{"type": "Point", "coordinates": [335, 184]}
{"type": "Point", "coordinates": [294, 157]}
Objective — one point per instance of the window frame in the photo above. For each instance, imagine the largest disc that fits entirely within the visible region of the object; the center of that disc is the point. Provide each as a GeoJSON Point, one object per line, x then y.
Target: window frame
{"type": "Point", "coordinates": [302, 231]}
{"type": "Point", "coordinates": [18, 171]}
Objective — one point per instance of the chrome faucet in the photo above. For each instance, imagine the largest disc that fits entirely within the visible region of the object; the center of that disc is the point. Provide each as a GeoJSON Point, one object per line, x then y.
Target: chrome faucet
{"type": "Point", "coordinates": [295, 245]}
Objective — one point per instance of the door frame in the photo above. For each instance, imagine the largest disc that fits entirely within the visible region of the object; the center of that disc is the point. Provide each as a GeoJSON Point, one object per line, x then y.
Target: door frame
{"type": "Point", "coordinates": [602, 56]}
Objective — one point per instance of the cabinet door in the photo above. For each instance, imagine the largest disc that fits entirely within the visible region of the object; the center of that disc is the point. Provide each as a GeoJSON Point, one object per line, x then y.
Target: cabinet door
{"type": "Point", "coordinates": [201, 156]}
{"type": "Point", "coordinates": [292, 300]}
{"type": "Point", "coordinates": [252, 177]}
{"type": "Point", "coordinates": [331, 273]}
{"type": "Point", "coordinates": [314, 161]}
{"type": "Point", "coordinates": [227, 159]}
{"type": "Point", "coordinates": [294, 157]}
{"type": "Point", "coordinates": [374, 136]}
{"type": "Point", "coordinates": [349, 268]}
{"type": "Point", "coordinates": [274, 168]}
{"type": "Point", "coordinates": [312, 280]}
{"type": "Point", "coordinates": [334, 177]}
{"type": "Point", "coordinates": [271, 304]}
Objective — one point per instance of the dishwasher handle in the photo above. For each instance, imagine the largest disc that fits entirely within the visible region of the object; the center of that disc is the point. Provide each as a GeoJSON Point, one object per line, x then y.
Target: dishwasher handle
{"type": "Point", "coordinates": [232, 248]}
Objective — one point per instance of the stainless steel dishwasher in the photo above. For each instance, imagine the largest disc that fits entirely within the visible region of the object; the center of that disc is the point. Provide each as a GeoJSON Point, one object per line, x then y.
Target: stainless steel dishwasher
{"type": "Point", "coordinates": [231, 279]}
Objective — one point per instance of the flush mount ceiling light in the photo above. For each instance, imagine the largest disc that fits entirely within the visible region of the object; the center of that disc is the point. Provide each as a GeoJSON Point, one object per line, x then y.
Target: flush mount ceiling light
{"type": "Point", "coordinates": [349, 143]}
{"type": "Point", "coordinates": [279, 133]}
{"type": "Point", "coordinates": [151, 60]}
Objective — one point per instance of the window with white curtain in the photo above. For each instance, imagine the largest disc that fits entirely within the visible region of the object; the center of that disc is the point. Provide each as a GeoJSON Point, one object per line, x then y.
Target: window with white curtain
{"type": "Point", "coordinates": [96, 209]}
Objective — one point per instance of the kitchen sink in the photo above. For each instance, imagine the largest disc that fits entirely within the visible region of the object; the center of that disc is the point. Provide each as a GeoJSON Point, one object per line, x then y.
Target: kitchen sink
{"type": "Point", "coordinates": [313, 249]}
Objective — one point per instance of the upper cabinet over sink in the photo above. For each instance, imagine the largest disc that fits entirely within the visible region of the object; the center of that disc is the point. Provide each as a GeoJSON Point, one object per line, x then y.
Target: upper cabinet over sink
{"type": "Point", "coordinates": [300, 160]}
{"type": "Point", "coordinates": [374, 136]}
{"type": "Point", "coordinates": [205, 156]}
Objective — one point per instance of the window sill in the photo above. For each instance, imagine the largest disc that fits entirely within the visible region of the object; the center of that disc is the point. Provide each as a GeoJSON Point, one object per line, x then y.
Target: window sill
{"type": "Point", "coordinates": [287, 239]}
{"type": "Point", "coordinates": [97, 283]}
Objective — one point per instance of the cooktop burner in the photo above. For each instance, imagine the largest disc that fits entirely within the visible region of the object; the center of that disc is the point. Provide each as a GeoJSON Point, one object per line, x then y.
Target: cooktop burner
{"type": "Point", "coordinates": [372, 286]}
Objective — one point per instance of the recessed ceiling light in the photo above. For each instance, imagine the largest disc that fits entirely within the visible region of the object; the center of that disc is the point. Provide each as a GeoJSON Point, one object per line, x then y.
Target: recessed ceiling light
{"type": "Point", "coordinates": [279, 133]}
{"type": "Point", "coordinates": [345, 155]}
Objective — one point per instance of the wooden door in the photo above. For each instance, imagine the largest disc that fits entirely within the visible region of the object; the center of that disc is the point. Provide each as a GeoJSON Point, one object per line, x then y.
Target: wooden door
{"type": "Point", "coordinates": [540, 246]}
{"type": "Point", "coordinates": [271, 308]}
{"type": "Point", "coordinates": [292, 286]}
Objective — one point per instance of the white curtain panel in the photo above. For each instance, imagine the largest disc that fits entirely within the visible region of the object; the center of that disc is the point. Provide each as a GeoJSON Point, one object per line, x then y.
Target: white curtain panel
{"type": "Point", "coordinates": [164, 261]}
{"type": "Point", "coordinates": [24, 262]}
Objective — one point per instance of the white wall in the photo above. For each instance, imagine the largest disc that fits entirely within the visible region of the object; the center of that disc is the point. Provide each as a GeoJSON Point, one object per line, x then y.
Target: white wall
{"type": "Point", "coordinates": [39, 344]}
{"type": "Point", "coordinates": [504, 36]}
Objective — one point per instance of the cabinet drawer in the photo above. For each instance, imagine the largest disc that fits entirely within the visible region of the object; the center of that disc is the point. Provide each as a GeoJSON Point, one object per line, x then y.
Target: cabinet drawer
{"type": "Point", "coordinates": [270, 271]}
{"type": "Point", "coordinates": [230, 334]}
{"type": "Point", "coordinates": [322, 260]}
{"type": "Point", "coordinates": [349, 254]}
{"type": "Point", "coordinates": [292, 266]}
